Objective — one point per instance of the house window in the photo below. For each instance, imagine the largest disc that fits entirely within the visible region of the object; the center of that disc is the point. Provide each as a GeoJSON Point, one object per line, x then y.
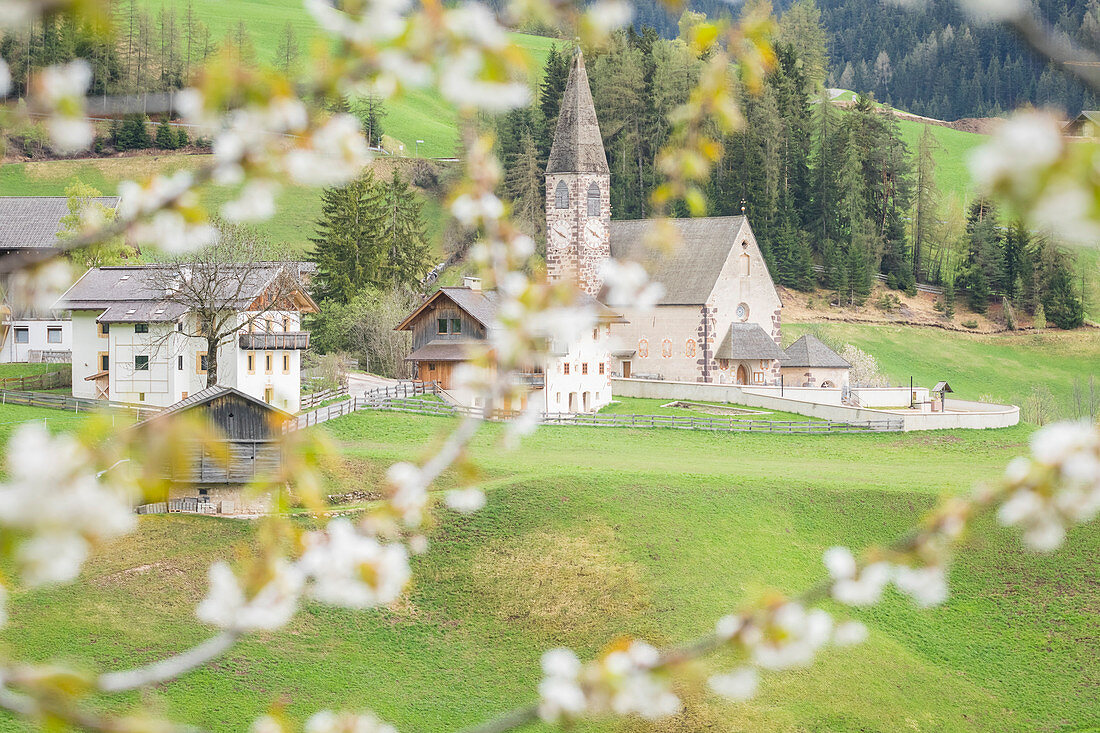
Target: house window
{"type": "Point", "coordinates": [286, 323]}
{"type": "Point", "coordinates": [141, 396]}
{"type": "Point", "coordinates": [561, 196]}
{"type": "Point", "coordinates": [267, 363]}
{"type": "Point", "coordinates": [104, 328]}
{"type": "Point", "coordinates": [456, 325]}
{"type": "Point", "coordinates": [602, 367]}
{"type": "Point", "coordinates": [104, 361]}
{"type": "Point", "coordinates": [269, 394]}
{"type": "Point", "coordinates": [566, 367]}
{"type": "Point", "coordinates": [584, 368]}
{"type": "Point", "coordinates": [22, 335]}
{"type": "Point", "coordinates": [53, 335]}
{"type": "Point", "coordinates": [431, 366]}
{"type": "Point", "coordinates": [179, 325]}
{"type": "Point", "coordinates": [179, 362]}
{"type": "Point", "coordinates": [286, 363]}
{"type": "Point", "coordinates": [141, 363]}
{"type": "Point", "coordinates": [141, 328]}
{"type": "Point", "coordinates": [441, 325]}
{"type": "Point", "coordinates": [594, 199]}
{"type": "Point", "coordinates": [202, 363]}
{"type": "Point", "coordinates": [251, 363]}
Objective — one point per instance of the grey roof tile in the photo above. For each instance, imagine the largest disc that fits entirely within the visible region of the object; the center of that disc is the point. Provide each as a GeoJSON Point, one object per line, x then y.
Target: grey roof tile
{"type": "Point", "coordinates": [32, 222]}
{"type": "Point", "coordinates": [690, 272]}
{"type": "Point", "coordinates": [578, 145]}
{"type": "Point", "coordinates": [748, 341]}
{"type": "Point", "coordinates": [810, 351]}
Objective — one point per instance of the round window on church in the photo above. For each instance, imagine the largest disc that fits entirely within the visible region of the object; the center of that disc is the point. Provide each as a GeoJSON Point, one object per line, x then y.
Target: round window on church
{"type": "Point", "coordinates": [743, 312]}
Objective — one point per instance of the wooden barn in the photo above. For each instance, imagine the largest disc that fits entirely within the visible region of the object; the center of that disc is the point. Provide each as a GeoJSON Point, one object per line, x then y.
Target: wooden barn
{"type": "Point", "coordinates": [246, 445]}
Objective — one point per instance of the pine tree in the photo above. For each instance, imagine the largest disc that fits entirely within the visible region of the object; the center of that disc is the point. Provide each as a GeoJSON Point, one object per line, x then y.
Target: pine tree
{"type": "Point", "coordinates": [407, 255]}
{"type": "Point", "coordinates": [1061, 304]}
{"type": "Point", "coordinates": [554, 76]}
{"type": "Point", "coordinates": [371, 111]}
{"type": "Point", "coordinates": [524, 186]}
{"type": "Point", "coordinates": [166, 138]}
{"type": "Point", "coordinates": [133, 134]}
{"type": "Point", "coordinates": [286, 51]}
{"type": "Point", "coordinates": [927, 200]}
{"type": "Point", "coordinates": [349, 244]}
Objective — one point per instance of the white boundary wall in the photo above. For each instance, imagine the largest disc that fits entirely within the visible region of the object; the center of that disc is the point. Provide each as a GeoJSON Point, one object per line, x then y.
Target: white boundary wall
{"type": "Point", "coordinates": [961, 413]}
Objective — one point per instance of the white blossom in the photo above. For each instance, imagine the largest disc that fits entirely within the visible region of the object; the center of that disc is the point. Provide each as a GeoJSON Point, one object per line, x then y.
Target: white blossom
{"type": "Point", "coordinates": [465, 501]}
{"type": "Point", "coordinates": [840, 562]}
{"type": "Point", "coordinates": [798, 635]}
{"type": "Point", "coordinates": [927, 586]}
{"type": "Point", "coordinates": [739, 685]}
{"type": "Point", "coordinates": [59, 90]}
{"type": "Point", "coordinates": [350, 569]}
{"type": "Point", "coordinates": [475, 22]}
{"type": "Point", "coordinates": [1058, 486]}
{"type": "Point", "coordinates": [994, 11]}
{"type": "Point", "coordinates": [171, 231]}
{"type": "Point", "coordinates": [256, 202]}
{"type": "Point", "coordinates": [379, 20]}
{"type": "Point", "coordinates": [607, 15]}
{"type": "Point", "coordinates": [628, 284]}
{"type": "Point", "coordinates": [227, 607]}
{"type": "Point", "coordinates": [410, 492]}
{"type": "Point", "coordinates": [1020, 148]}
{"type": "Point", "coordinates": [5, 78]}
{"type": "Point", "coordinates": [53, 496]}
{"type": "Point", "coordinates": [18, 13]}
{"type": "Point", "coordinates": [471, 211]}
{"type": "Point", "coordinates": [327, 721]}
{"type": "Point", "coordinates": [335, 154]}
{"type": "Point", "coordinates": [849, 633]}
{"type": "Point", "coordinates": [851, 586]}
{"type": "Point", "coordinates": [39, 286]}
{"type": "Point", "coordinates": [728, 626]}
{"type": "Point", "coordinates": [266, 724]}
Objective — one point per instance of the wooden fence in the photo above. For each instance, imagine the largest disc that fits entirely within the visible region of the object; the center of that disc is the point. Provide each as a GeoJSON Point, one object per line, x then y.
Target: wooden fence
{"type": "Point", "coordinates": [313, 399]}
{"type": "Point", "coordinates": [46, 380]}
{"type": "Point", "coordinates": [72, 404]}
{"type": "Point", "coordinates": [404, 397]}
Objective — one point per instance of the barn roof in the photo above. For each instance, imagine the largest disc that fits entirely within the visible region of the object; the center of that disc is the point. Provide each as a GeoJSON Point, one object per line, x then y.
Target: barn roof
{"type": "Point", "coordinates": [578, 145]}
{"type": "Point", "coordinates": [482, 306]}
{"type": "Point", "coordinates": [690, 272]}
{"type": "Point", "coordinates": [33, 222]}
{"type": "Point", "coordinates": [1086, 115]}
{"type": "Point", "coordinates": [137, 293]}
{"type": "Point", "coordinates": [810, 351]}
{"type": "Point", "coordinates": [748, 341]}
{"type": "Point", "coordinates": [209, 394]}
{"type": "Point", "coordinates": [442, 350]}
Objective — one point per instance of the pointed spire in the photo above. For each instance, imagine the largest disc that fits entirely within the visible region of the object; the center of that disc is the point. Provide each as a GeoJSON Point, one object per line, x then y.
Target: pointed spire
{"type": "Point", "coordinates": [578, 146]}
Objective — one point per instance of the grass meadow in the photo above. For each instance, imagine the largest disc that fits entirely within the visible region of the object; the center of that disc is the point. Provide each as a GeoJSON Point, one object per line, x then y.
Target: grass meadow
{"type": "Point", "coordinates": [590, 533]}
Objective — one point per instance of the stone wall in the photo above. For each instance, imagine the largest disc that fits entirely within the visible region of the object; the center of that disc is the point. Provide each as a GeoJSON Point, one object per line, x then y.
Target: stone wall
{"type": "Point", "coordinates": [577, 244]}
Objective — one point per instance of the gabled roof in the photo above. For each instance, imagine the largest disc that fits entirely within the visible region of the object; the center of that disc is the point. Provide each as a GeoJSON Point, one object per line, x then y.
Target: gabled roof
{"type": "Point", "coordinates": [810, 351]}
{"type": "Point", "coordinates": [690, 272]}
{"type": "Point", "coordinates": [137, 293]}
{"type": "Point", "coordinates": [578, 145]}
{"type": "Point", "coordinates": [33, 222]}
{"type": "Point", "coordinates": [748, 341]}
{"type": "Point", "coordinates": [1086, 115]}
{"type": "Point", "coordinates": [204, 396]}
{"type": "Point", "coordinates": [442, 350]}
{"type": "Point", "coordinates": [479, 304]}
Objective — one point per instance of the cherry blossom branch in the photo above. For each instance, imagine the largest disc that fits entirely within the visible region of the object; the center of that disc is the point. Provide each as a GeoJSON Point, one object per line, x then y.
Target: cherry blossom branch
{"type": "Point", "coordinates": [167, 669]}
{"type": "Point", "coordinates": [1070, 58]}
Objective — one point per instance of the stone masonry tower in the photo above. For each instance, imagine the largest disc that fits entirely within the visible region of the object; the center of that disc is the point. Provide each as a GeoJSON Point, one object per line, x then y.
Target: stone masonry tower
{"type": "Point", "coordinates": [578, 189]}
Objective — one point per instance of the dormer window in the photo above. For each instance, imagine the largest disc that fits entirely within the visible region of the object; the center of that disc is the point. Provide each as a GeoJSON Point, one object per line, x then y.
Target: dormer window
{"type": "Point", "coordinates": [561, 196]}
{"type": "Point", "coordinates": [594, 199]}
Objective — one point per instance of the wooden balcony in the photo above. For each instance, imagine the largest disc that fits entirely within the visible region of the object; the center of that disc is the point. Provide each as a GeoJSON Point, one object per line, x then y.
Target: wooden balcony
{"type": "Point", "coordinates": [271, 341]}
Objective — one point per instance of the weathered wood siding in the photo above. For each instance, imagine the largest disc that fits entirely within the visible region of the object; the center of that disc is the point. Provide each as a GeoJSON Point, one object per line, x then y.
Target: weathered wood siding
{"type": "Point", "coordinates": [425, 329]}
{"type": "Point", "coordinates": [232, 462]}
{"type": "Point", "coordinates": [239, 420]}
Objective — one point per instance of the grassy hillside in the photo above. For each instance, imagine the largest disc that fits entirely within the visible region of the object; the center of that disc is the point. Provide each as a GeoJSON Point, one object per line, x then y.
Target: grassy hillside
{"type": "Point", "coordinates": [1008, 367]}
{"type": "Point", "coordinates": [591, 533]}
{"type": "Point", "coordinates": [952, 154]}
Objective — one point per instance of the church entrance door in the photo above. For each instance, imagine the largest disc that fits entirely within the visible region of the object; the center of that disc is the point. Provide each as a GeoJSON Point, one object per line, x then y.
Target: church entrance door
{"type": "Point", "coordinates": [742, 374]}
{"type": "Point", "coordinates": [626, 370]}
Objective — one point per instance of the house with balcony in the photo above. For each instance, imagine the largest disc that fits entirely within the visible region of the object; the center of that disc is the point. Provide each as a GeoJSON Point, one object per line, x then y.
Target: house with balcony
{"type": "Point", "coordinates": [456, 322]}
{"type": "Point", "coordinates": [137, 338]}
{"type": "Point", "coordinates": [31, 225]}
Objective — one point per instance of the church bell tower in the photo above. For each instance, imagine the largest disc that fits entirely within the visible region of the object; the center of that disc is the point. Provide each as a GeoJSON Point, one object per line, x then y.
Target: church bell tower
{"type": "Point", "coordinates": [578, 189]}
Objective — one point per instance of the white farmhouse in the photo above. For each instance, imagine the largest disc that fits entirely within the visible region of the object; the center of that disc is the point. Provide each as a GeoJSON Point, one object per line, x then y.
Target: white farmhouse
{"type": "Point", "coordinates": [135, 341]}
{"type": "Point", "coordinates": [30, 224]}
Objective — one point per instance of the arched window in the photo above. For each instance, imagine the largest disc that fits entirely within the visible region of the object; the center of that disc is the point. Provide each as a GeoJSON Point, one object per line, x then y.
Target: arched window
{"type": "Point", "coordinates": [594, 199]}
{"type": "Point", "coordinates": [561, 196]}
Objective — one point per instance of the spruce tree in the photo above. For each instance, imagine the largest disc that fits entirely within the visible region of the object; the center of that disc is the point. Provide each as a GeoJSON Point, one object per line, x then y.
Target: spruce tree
{"type": "Point", "coordinates": [166, 137]}
{"type": "Point", "coordinates": [524, 186]}
{"type": "Point", "coordinates": [1061, 304]}
{"type": "Point", "coordinates": [407, 256]}
{"type": "Point", "coordinates": [349, 245]}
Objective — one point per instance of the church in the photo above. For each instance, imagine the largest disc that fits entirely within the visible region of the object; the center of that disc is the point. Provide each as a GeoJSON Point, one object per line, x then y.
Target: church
{"type": "Point", "coordinates": [718, 320]}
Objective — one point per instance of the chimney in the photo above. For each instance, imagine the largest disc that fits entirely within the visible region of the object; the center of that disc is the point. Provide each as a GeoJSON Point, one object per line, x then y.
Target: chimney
{"type": "Point", "coordinates": [473, 283]}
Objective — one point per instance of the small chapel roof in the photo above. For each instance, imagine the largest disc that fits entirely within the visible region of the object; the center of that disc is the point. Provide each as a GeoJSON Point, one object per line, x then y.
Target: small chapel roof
{"type": "Point", "coordinates": [578, 145]}
{"type": "Point", "coordinates": [690, 272]}
{"type": "Point", "coordinates": [748, 341]}
{"type": "Point", "coordinates": [810, 351]}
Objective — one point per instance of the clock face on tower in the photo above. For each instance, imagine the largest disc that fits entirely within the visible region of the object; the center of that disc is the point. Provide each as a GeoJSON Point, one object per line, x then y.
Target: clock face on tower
{"type": "Point", "coordinates": [559, 234]}
{"type": "Point", "coordinates": [593, 232]}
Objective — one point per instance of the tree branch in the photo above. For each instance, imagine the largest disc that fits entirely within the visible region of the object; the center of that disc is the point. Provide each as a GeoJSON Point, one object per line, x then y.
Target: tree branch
{"type": "Point", "coordinates": [170, 668]}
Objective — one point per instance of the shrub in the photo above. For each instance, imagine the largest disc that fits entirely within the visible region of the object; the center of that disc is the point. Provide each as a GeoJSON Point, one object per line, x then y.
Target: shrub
{"type": "Point", "coordinates": [1040, 320]}
{"type": "Point", "coordinates": [182, 140]}
{"type": "Point", "coordinates": [133, 134]}
{"type": "Point", "coordinates": [970, 324]}
{"type": "Point", "coordinates": [865, 372]}
{"type": "Point", "coordinates": [166, 136]}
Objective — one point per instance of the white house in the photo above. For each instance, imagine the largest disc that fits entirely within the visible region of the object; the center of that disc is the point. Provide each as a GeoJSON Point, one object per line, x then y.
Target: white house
{"type": "Point", "coordinates": [135, 341]}
{"type": "Point", "coordinates": [31, 224]}
{"type": "Point", "coordinates": [575, 377]}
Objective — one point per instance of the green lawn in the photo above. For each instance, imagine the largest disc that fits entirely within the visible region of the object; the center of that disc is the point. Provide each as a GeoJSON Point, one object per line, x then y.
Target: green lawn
{"type": "Point", "coordinates": [19, 369]}
{"type": "Point", "coordinates": [1002, 367]}
{"type": "Point", "coordinates": [952, 155]}
{"type": "Point", "coordinates": [643, 406]}
{"type": "Point", "coordinates": [590, 533]}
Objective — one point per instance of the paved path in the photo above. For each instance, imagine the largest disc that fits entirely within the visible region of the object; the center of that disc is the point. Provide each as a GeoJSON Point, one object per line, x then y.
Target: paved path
{"type": "Point", "coordinates": [360, 382]}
